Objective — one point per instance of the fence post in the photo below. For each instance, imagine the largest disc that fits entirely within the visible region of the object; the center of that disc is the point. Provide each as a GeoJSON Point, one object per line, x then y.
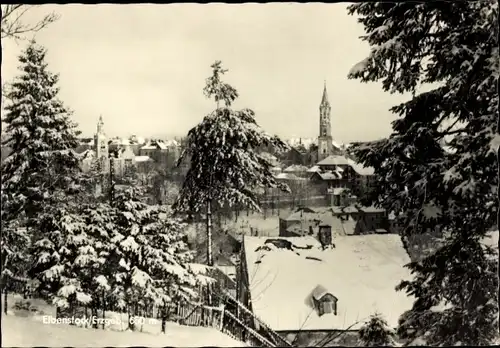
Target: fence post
{"type": "Point", "coordinates": [221, 325]}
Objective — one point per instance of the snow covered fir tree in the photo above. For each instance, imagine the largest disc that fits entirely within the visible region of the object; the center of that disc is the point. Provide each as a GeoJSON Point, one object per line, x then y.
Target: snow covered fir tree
{"type": "Point", "coordinates": [225, 166]}
{"type": "Point", "coordinates": [376, 333]}
{"type": "Point", "coordinates": [438, 168]}
{"type": "Point", "coordinates": [41, 169]}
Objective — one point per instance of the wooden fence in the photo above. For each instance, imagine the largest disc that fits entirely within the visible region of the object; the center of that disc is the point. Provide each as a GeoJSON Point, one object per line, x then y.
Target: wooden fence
{"type": "Point", "coordinates": [225, 319]}
{"type": "Point", "coordinates": [220, 319]}
{"type": "Point", "coordinates": [199, 315]}
{"type": "Point", "coordinates": [247, 327]}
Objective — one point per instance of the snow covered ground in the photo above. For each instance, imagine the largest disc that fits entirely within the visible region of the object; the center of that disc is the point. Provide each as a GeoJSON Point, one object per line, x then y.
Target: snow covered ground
{"type": "Point", "coordinates": [27, 329]}
{"type": "Point", "coordinates": [26, 332]}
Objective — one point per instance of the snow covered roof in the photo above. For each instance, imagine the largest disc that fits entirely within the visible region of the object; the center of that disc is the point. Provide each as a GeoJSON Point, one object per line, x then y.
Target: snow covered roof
{"type": "Point", "coordinates": [87, 154]}
{"type": "Point", "coordinates": [371, 209]}
{"type": "Point", "coordinates": [330, 175]}
{"type": "Point", "coordinates": [337, 160]}
{"type": "Point", "coordinates": [313, 169]}
{"type": "Point", "coordinates": [143, 159]}
{"type": "Point", "coordinates": [270, 158]}
{"type": "Point", "coordinates": [343, 227]}
{"type": "Point", "coordinates": [148, 146]}
{"type": "Point", "coordinates": [361, 272]}
{"type": "Point", "coordinates": [294, 168]}
{"type": "Point", "coordinates": [171, 143]}
{"type": "Point", "coordinates": [302, 228]}
{"type": "Point", "coordinates": [161, 145]}
{"type": "Point", "coordinates": [360, 169]}
{"type": "Point", "coordinates": [337, 144]}
{"type": "Point", "coordinates": [334, 160]}
{"type": "Point", "coordinates": [137, 139]}
{"type": "Point", "coordinates": [287, 176]}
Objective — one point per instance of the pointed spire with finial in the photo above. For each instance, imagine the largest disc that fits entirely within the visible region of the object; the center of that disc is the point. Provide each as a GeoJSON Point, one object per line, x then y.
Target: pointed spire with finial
{"type": "Point", "coordinates": [100, 124]}
{"type": "Point", "coordinates": [324, 100]}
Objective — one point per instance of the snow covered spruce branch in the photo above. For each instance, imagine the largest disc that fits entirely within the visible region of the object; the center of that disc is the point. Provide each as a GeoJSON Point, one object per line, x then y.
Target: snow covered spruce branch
{"type": "Point", "coordinates": [445, 138]}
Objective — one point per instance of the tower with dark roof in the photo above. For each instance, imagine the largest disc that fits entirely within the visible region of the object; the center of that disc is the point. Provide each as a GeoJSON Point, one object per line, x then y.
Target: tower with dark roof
{"type": "Point", "coordinates": [325, 145]}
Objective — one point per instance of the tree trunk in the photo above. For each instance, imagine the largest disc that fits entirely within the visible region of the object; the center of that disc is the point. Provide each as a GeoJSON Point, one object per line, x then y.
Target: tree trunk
{"type": "Point", "coordinates": [94, 315]}
{"type": "Point", "coordinates": [87, 316]}
{"type": "Point", "coordinates": [5, 299]}
{"type": "Point", "coordinates": [131, 323]}
{"type": "Point", "coordinates": [103, 311]}
{"type": "Point", "coordinates": [498, 209]}
{"type": "Point", "coordinates": [210, 261]}
{"type": "Point", "coordinates": [163, 319]}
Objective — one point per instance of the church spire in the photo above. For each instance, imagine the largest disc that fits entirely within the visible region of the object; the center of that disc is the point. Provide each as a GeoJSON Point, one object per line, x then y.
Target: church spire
{"type": "Point", "coordinates": [324, 100]}
{"type": "Point", "coordinates": [100, 125]}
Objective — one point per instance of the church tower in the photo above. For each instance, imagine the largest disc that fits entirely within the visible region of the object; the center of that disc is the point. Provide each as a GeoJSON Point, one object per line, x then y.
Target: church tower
{"type": "Point", "coordinates": [101, 144]}
{"type": "Point", "coordinates": [325, 141]}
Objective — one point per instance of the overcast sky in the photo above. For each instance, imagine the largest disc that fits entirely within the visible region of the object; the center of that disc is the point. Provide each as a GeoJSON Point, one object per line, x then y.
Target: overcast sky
{"type": "Point", "coordinates": [143, 67]}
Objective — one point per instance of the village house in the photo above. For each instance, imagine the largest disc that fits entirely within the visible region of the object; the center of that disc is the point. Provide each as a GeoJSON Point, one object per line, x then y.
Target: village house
{"type": "Point", "coordinates": [341, 221]}
{"type": "Point", "coordinates": [124, 158]}
{"type": "Point", "coordinates": [297, 170]}
{"type": "Point", "coordinates": [331, 285]}
{"type": "Point", "coordinates": [339, 171]}
{"type": "Point", "coordinates": [294, 155]}
{"type": "Point", "coordinates": [165, 152]}
{"type": "Point", "coordinates": [84, 144]}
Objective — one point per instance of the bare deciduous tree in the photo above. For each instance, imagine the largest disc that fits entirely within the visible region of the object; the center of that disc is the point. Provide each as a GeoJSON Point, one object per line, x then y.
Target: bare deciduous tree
{"type": "Point", "coordinates": [14, 24]}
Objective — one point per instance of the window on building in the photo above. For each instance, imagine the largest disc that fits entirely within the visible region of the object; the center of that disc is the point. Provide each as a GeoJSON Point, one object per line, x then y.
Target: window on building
{"type": "Point", "coordinates": [329, 306]}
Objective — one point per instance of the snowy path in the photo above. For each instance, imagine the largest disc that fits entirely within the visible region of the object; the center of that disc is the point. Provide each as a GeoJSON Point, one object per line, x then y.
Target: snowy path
{"type": "Point", "coordinates": [25, 332]}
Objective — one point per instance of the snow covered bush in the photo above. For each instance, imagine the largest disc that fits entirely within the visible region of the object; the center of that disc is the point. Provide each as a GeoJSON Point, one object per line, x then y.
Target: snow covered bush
{"type": "Point", "coordinates": [55, 255]}
{"type": "Point", "coordinates": [376, 333]}
{"type": "Point", "coordinates": [149, 256]}
{"type": "Point", "coordinates": [126, 256]}
{"type": "Point", "coordinates": [438, 170]}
